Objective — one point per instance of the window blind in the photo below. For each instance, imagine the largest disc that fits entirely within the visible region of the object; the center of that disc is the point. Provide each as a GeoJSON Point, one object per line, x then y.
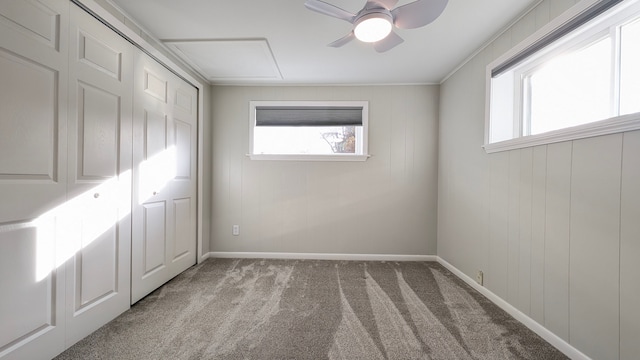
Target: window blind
{"type": "Point", "coordinates": [588, 15]}
{"type": "Point", "coordinates": [308, 116]}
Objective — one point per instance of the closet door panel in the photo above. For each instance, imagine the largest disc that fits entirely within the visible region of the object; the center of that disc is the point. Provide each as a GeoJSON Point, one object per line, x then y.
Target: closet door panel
{"type": "Point", "coordinates": [155, 83]}
{"type": "Point", "coordinates": [96, 270]}
{"type": "Point", "coordinates": [182, 246]}
{"type": "Point", "coordinates": [164, 173]}
{"type": "Point", "coordinates": [33, 104]}
{"type": "Point", "coordinates": [182, 131]}
{"type": "Point", "coordinates": [99, 186]}
{"type": "Point", "coordinates": [98, 120]}
{"type": "Point", "coordinates": [154, 170]}
{"type": "Point", "coordinates": [183, 105]}
{"type": "Point", "coordinates": [155, 133]}
{"type": "Point", "coordinates": [31, 130]}
{"type": "Point", "coordinates": [33, 141]}
{"type": "Point", "coordinates": [99, 55]}
{"type": "Point", "coordinates": [39, 21]}
{"type": "Point", "coordinates": [151, 174]}
{"type": "Point", "coordinates": [29, 311]}
{"type": "Point", "coordinates": [154, 238]}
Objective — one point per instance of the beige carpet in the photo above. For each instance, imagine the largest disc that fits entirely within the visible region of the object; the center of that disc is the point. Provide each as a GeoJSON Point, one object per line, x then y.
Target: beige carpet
{"type": "Point", "coordinates": [309, 309]}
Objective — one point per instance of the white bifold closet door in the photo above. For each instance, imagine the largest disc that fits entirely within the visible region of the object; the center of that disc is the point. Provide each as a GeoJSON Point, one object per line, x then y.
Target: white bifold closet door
{"type": "Point", "coordinates": [164, 184]}
{"type": "Point", "coordinates": [65, 176]}
{"type": "Point", "coordinates": [33, 176]}
{"type": "Point", "coordinates": [99, 185]}
{"type": "Point", "coordinates": [97, 176]}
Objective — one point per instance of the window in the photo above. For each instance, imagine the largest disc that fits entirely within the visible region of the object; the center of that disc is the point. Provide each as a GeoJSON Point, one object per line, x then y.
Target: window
{"type": "Point", "coordinates": [578, 79]}
{"type": "Point", "coordinates": [308, 130]}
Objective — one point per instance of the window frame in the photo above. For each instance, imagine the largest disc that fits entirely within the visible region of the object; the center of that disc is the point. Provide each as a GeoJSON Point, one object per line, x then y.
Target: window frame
{"type": "Point", "coordinates": [614, 124]}
{"type": "Point", "coordinates": [311, 157]}
{"type": "Point", "coordinates": [524, 72]}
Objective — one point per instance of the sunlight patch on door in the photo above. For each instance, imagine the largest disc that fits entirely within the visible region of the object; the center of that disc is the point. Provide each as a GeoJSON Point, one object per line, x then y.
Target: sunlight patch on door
{"type": "Point", "coordinates": [72, 226]}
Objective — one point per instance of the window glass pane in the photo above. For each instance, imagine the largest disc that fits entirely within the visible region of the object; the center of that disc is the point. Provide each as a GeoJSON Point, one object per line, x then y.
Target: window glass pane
{"type": "Point", "coordinates": [630, 69]}
{"type": "Point", "coordinates": [502, 104]}
{"type": "Point", "coordinates": [314, 140]}
{"type": "Point", "coordinates": [572, 89]}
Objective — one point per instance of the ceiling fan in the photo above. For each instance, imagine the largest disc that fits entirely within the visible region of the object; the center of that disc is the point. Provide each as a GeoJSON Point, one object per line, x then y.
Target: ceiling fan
{"type": "Point", "coordinates": [374, 23]}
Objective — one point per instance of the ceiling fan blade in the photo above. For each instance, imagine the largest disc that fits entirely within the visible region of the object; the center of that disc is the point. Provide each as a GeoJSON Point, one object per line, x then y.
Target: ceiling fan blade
{"type": "Point", "coordinates": [392, 40]}
{"type": "Point", "coordinates": [343, 40]}
{"type": "Point", "coordinates": [387, 4]}
{"type": "Point", "coordinates": [418, 13]}
{"type": "Point", "coordinates": [328, 9]}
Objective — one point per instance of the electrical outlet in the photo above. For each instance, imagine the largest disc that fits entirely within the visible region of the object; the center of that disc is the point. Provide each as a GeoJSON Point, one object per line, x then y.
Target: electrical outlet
{"type": "Point", "coordinates": [480, 277]}
{"type": "Point", "coordinates": [235, 230]}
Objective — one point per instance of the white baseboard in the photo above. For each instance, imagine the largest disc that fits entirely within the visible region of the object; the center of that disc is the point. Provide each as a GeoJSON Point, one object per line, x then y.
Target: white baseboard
{"type": "Point", "coordinates": [543, 332]}
{"type": "Point", "coordinates": [204, 257]}
{"type": "Point", "coordinates": [319, 256]}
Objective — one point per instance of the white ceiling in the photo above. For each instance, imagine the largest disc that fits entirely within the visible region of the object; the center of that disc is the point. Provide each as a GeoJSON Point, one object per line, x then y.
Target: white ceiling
{"type": "Point", "coordinates": [282, 42]}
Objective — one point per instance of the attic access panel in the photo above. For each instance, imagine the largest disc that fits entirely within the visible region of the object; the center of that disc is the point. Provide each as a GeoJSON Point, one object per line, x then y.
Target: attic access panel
{"type": "Point", "coordinates": [229, 60]}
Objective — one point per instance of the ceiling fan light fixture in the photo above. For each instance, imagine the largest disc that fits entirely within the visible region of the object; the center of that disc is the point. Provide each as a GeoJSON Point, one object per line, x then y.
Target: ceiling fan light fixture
{"type": "Point", "coordinates": [373, 27]}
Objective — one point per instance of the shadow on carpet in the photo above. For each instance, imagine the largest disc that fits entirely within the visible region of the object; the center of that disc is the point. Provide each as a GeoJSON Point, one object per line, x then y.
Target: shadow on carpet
{"type": "Point", "coordinates": [313, 309]}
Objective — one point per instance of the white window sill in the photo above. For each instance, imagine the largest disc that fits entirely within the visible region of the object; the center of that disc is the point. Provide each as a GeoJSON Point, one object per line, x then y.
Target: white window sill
{"type": "Point", "coordinates": [605, 127]}
{"type": "Point", "coordinates": [301, 157]}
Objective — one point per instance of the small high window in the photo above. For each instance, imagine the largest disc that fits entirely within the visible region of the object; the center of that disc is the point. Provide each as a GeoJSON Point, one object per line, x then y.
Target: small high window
{"type": "Point", "coordinates": [579, 79]}
{"type": "Point", "coordinates": [308, 130]}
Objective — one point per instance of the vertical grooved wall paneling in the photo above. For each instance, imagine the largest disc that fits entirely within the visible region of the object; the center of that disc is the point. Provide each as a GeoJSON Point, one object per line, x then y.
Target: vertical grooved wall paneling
{"type": "Point", "coordinates": [524, 234]}
{"type": "Point", "coordinates": [594, 246]}
{"type": "Point", "coordinates": [538, 225]}
{"type": "Point", "coordinates": [561, 220]}
{"type": "Point", "coordinates": [498, 233]}
{"type": "Point", "coordinates": [558, 216]}
{"type": "Point", "coordinates": [385, 205]}
{"type": "Point", "coordinates": [513, 243]}
{"type": "Point", "coordinates": [630, 247]}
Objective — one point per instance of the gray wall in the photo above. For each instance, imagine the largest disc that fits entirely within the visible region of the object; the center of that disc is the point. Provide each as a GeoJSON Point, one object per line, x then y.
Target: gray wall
{"type": "Point", "coordinates": [555, 228]}
{"type": "Point", "coordinates": [386, 205]}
